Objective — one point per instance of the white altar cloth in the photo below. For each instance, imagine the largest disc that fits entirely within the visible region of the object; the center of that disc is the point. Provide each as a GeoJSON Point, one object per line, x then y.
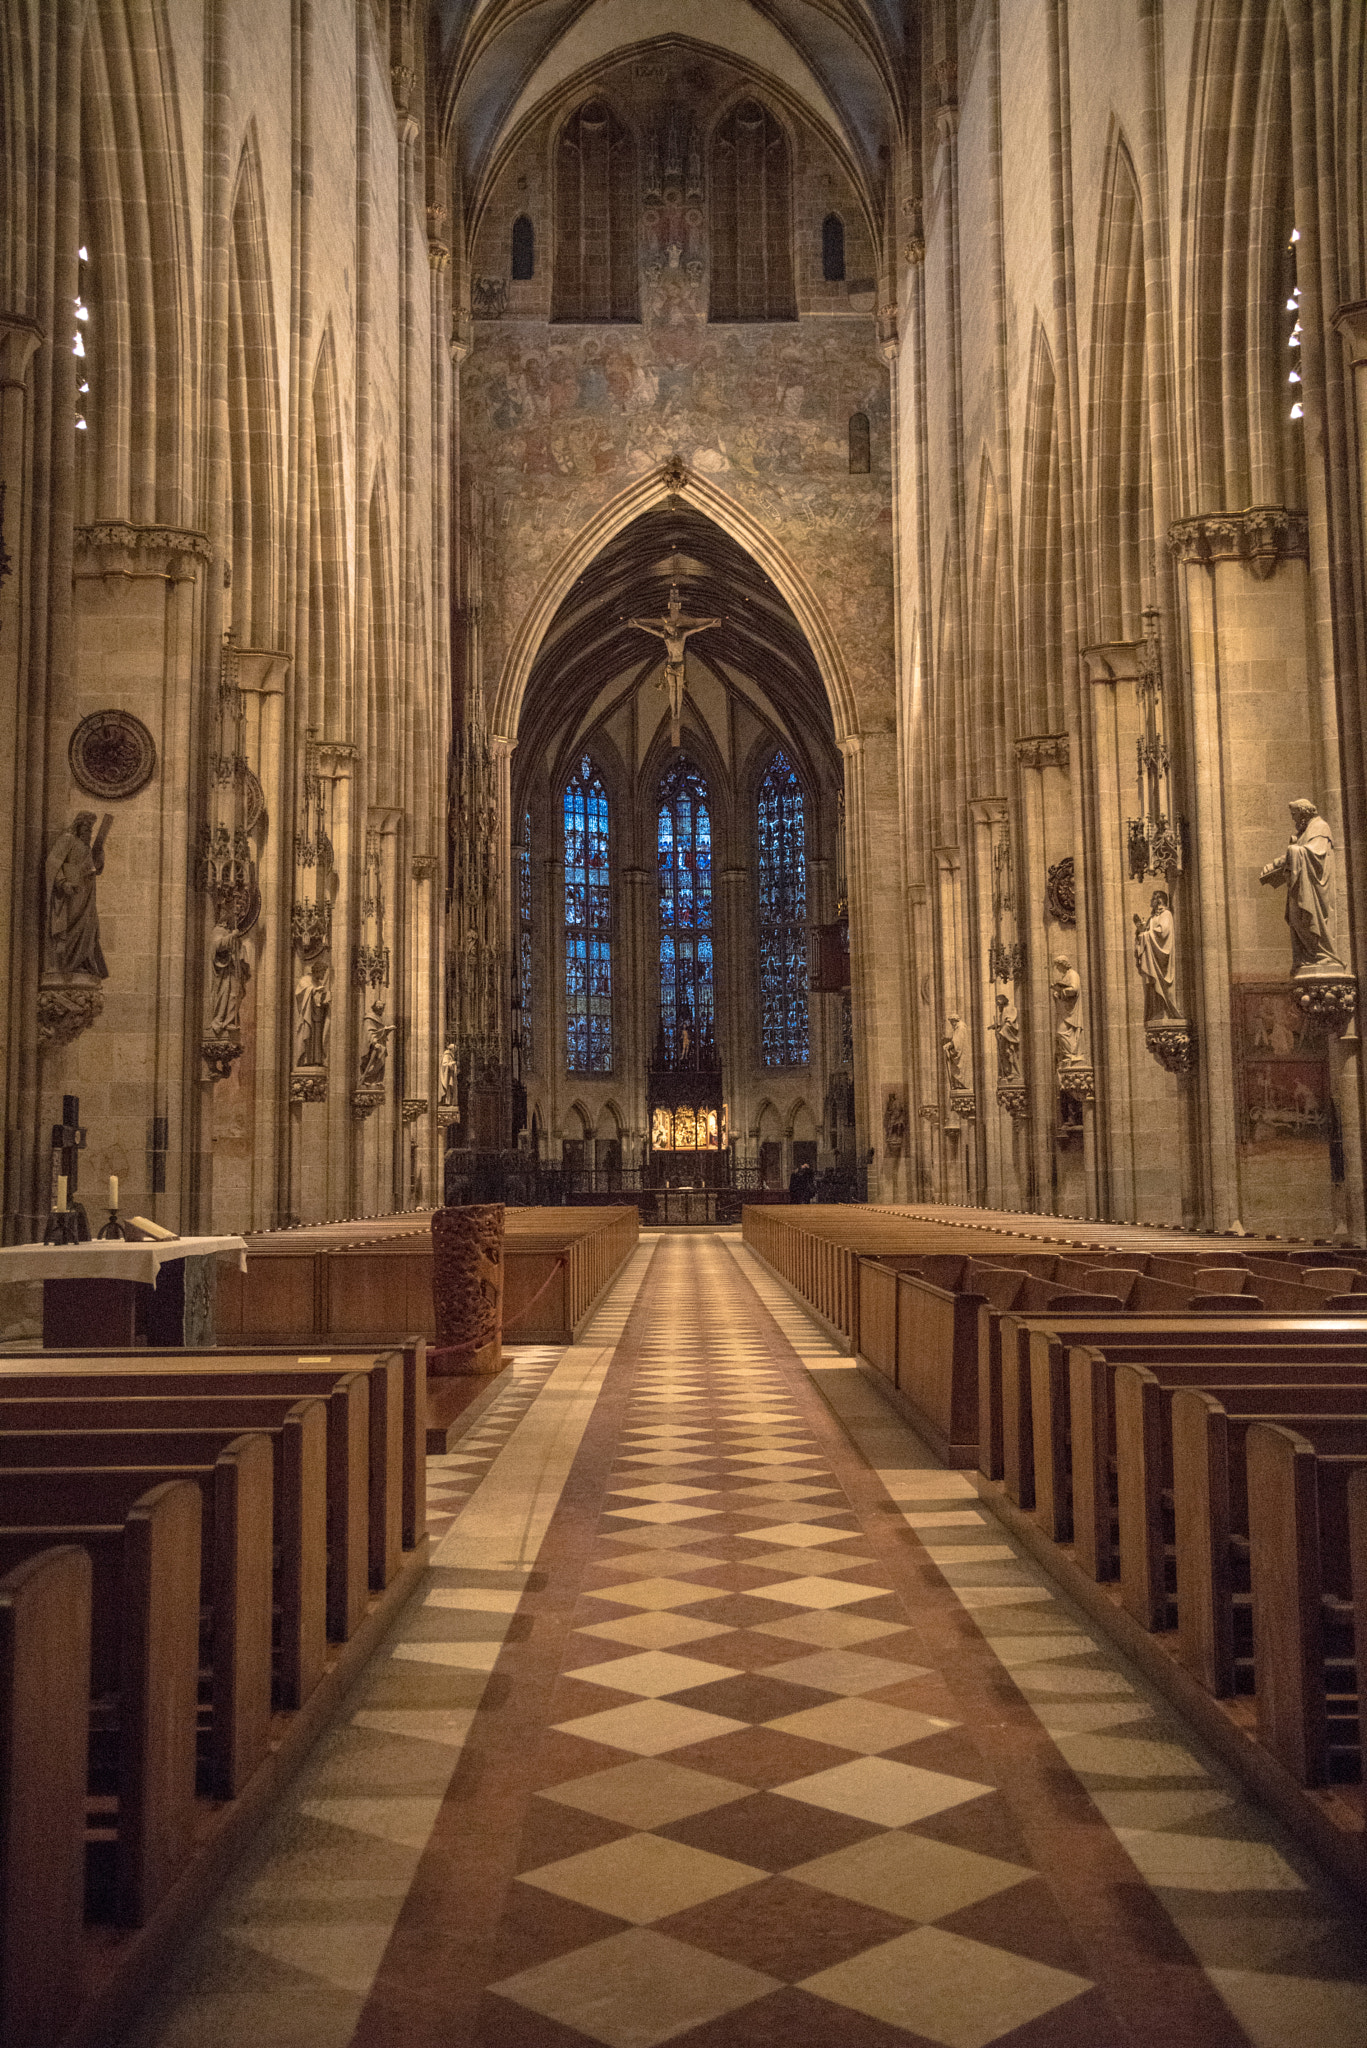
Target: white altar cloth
{"type": "Point", "coordinates": [110, 1258]}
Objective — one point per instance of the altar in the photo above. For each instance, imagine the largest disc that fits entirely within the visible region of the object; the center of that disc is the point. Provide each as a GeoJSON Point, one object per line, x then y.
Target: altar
{"type": "Point", "coordinates": [107, 1293]}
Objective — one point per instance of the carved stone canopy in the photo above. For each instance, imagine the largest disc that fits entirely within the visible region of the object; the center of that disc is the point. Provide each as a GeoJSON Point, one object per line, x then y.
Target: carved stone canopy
{"type": "Point", "coordinates": [1260, 537]}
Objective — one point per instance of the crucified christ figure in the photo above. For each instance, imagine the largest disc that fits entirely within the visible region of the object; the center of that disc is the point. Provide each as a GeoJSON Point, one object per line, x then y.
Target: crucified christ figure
{"type": "Point", "coordinates": [674, 629]}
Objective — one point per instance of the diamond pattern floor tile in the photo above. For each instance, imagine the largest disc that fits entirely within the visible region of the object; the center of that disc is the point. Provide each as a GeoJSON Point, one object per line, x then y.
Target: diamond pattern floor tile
{"type": "Point", "coordinates": [643, 1877]}
{"type": "Point", "coordinates": [649, 1727]}
{"type": "Point", "coordinates": [636, 1988]}
{"type": "Point", "coordinates": [958, 1992]}
{"type": "Point", "coordinates": [876, 1788]}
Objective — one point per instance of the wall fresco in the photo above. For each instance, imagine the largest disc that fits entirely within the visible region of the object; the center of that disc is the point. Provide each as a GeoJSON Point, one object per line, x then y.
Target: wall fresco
{"type": "Point", "coordinates": [557, 420]}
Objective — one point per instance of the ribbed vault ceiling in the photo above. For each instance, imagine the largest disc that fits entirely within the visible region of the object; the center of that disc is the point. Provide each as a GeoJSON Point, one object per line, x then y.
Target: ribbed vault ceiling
{"type": "Point", "coordinates": [590, 645]}
{"type": "Point", "coordinates": [846, 59]}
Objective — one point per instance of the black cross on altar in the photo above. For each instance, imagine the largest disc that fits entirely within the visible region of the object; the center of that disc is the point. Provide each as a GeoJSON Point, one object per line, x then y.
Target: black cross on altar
{"type": "Point", "coordinates": [68, 1140]}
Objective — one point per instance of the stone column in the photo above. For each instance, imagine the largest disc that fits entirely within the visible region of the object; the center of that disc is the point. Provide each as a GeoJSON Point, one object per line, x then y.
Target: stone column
{"type": "Point", "coordinates": [1256, 746]}
{"type": "Point", "coordinates": [876, 962]}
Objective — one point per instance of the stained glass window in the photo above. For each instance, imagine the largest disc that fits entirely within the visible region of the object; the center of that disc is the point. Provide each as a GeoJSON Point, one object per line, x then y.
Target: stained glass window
{"type": "Point", "coordinates": [524, 937]}
{"type": "Point", "coordinates": [782, 917]}
{"type": "Point", "coordinates": [588, 924]}
{"type": "Point", "coordinates": [687, 1006]}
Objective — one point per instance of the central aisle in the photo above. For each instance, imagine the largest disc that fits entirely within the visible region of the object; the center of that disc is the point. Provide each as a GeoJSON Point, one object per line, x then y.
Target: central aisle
{"type": "Point", "coordinates": [768, 1738]}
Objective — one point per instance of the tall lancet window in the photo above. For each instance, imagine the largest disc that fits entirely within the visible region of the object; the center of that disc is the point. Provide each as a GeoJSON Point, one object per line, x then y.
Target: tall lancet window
{"type": "Point", "coordinates": [588, 924]}
{"type": "Point", "coordinates": [687, 1000]}
{"type": "Point", "coordinates": [524, 939]}
{"type": "Point", "coordinates": [784, 1034]}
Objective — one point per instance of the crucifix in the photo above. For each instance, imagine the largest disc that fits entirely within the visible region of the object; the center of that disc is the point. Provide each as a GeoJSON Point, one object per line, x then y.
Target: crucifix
{"type": "Point", "coordinates": [675, 628]}
{"type": "Point", "coordinates": [68, 1143]}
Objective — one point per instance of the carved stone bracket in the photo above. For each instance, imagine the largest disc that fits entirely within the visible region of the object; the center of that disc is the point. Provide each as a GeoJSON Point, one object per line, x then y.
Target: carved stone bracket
{"type": "Point", "coordinates": [308, 1085]}
{"type": "Point", "coordinates": [929, 1112]}
{"type": "Point", "coordinates": [1078, 1081]}
{"type": "Point", "coordinates": [218, 1055]}
{"type": "Point", "coordinates": [64, 1013]}
{"type": "Point", "coordinates": [674, 474]}
{"type": "Point", "coordinates": [963, 1103]}
{"type": "Point", "coordinates": [1328, 1000]}
{"type": "Point", "coordinates": [414, 1106]}
{"type": "Point", "coordinates": [114, 547]}
{"type": "Point", "coordinates": [364, 1101]}
{"type": "Point", "coordinates": [424, 867]}
{"type": "Point", "coordinates": [447, 1115]}
{"type": "Point", "coordinates": [1043, 750]}
{"type": "Point", "coordinates": [1172, 1045]}
{"type": "Point", "coordinates": [1261, 536]}
{"type": "Point", "coordinates": [1011, 1096]}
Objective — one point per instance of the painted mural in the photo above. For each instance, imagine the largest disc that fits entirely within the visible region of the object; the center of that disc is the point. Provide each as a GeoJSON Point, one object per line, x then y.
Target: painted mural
{"type": "Point", "coordinates": [557, 420]}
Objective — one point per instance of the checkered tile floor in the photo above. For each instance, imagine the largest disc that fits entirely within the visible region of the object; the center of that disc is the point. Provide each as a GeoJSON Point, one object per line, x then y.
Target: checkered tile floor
{"type": "Point", "coordinates": [726, 1718]}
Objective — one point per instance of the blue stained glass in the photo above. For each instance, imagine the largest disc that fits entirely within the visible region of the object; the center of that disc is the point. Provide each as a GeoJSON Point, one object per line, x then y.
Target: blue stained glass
{"type": "Point", "coordinates": [588, 925]}
{"type": "Point", "coordinates": [684, 844]}
{"type": "Point", "coordinates": [784, 1029]}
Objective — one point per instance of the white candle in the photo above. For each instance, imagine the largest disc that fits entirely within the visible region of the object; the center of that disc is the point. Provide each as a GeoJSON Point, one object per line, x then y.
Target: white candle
{"type": "Point", "coordinates": [113, 1191]}
{"type": "Point", "coordinates": [61, 1194]}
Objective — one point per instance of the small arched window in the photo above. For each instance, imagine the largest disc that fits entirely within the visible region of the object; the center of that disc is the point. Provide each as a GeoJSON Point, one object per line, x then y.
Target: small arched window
{"type": "Point", "coordinates": [860, 458]}
{"type": "Point", "coordinates": [524, 249]}
{"type": "Point", "coordinates": [832, 249]}
{"type": "Point", "coordinates": [588, 924]}
{"type": "Point", "coordinates": [752, 257]}
{"type": "Point", "coordinates": [784, 1030]}
{"type": "Point", "coordinates": [596, 275]}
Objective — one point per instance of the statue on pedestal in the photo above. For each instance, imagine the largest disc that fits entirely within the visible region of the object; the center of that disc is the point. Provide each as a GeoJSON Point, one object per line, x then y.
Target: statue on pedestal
{"type": "Point", "coordinates": [1154, 956]}
{"type": "Point", "coordinates": [1306, 871]}
{"type": "Point", "coordinates": [375, 1055]}
{"type": "Point", "coordinates": [1065, 986]}
{"type": "Point", "coordinates": [1007, 1031]}
{"type": "Point", "coordinates": [313, 1015]}
{"type": "Point", "coordinates": [954, 1045]}
{"type": "Point", "coordinates": [73, 923]}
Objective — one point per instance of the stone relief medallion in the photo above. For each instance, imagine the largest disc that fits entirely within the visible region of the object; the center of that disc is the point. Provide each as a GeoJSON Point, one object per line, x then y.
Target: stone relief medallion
{"type": "Point", "coordinates": [1060, 893]}
{"type": "Point", "coordinates": [112, 754]}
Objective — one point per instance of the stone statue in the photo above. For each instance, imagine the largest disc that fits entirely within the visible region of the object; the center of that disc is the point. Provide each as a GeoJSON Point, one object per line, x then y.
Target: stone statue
{"type": "Point", "coordinates": [1007, 1031]}
{"type": "Point", "coordinates": [231, 975]}
{"type": "Point", "coordinates": [1306, 870]}
{"type": "Point", "coordinates": [446, 1090]}
{"type": "Point", "coordinates": [675, 630]}
{"type": "Point", "coordinates": [375, 1054]}
{"type": "Point", "coordinates": [1066, 988]}
{"type": "Point", "coordinates": [313, 1015]}
{"type": "Point", "coordinates": [73, 924]}
{"type": "Point", "coordinates": [1154, 957]}
{"type": "Point", "coordinates": [954, 1045]}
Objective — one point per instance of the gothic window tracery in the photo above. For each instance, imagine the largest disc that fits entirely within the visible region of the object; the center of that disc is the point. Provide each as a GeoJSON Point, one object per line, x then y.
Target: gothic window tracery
{"type": "Point", "coordinates": [588, 924]}
{"type": "Point", "coordinates": [751, 191]}
{"type": "Point", "coordinates": [784, 1027]}
{"type": "Point", "coordinates": [684, 840]}
{"type": "Point", "coordinates": [596, 271]}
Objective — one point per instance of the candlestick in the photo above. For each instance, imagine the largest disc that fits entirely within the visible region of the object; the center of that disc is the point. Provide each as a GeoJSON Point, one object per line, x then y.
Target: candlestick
{"type": "Point", "coordinates": [113, 1191]}
{"type": "Point", "coordinates": [61, 1194]}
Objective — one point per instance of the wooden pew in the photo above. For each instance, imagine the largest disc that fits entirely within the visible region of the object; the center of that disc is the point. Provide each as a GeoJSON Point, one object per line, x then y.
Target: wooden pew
{"type": "Point", "coordinates": [1300, 1557]}
{"type": "Point", "coordinates": [235, 1576]}
{"type": "Point", "coordinates": [1209, 1429]}
{"type": "Point", "coordinates": [174, 1435]}
{"type": "Point", "coordinates": [358, 1355]}
{"type": "Point", "coordinates": [44, 1740]}
{"type": "Point", "coordinates": [1034, 1376]}
{"type": "Point", "coordinates": [1151, 1563]}
{"type": "Point", "coordinates": [1075, 1440]}
{"type": "Point", "coordinates": [143, 1663]}
{"type": "Point", "coordinates": [367, 1456]}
